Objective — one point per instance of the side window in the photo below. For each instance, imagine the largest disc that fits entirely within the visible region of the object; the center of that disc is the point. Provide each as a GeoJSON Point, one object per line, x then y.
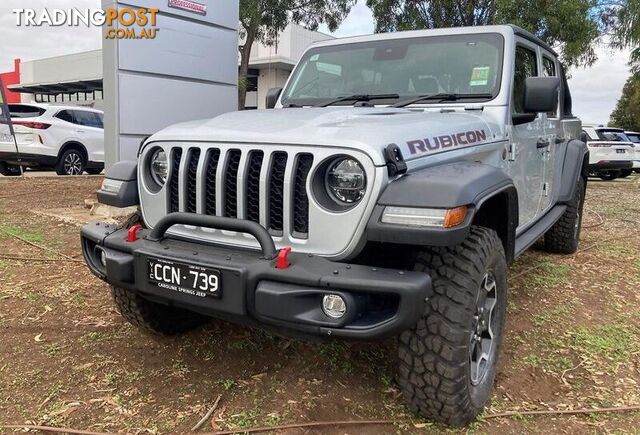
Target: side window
{"type": "Point", "coordinates": [549, 67]}
{"type": "Point", "coordinates": [100, 119]}
{"type": "Point", "coordinates": [88, 119]}
{"type": "Point", "coordinates": [526, 66]}
{"type": "Point", "coordinates": [549, 70]}
{"type": "Point", "coordinates": [65, 115]}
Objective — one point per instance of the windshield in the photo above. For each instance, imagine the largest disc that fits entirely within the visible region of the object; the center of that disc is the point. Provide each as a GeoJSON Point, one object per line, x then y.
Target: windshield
{"type": "Point", "coordinates": [612, 135]}
{"type": "Point", "coordinates": [412, 67]}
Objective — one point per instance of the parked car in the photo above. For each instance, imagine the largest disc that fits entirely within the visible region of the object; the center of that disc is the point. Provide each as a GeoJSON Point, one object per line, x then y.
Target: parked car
{"type": "Point", "coordinates": [68, 139]}
{"type": "Point", "coordinates": [385, 195]}
{"type": "Point", "coordinates": [611, 153]}
{"type": "Point", "coordinates": [634, 137]}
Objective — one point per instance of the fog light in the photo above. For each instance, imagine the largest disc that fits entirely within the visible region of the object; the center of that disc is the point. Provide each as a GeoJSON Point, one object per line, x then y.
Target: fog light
{"type": "Point", "coordinates": [334, 306]}
{"type": "Point", "coordinates": [103, 258]}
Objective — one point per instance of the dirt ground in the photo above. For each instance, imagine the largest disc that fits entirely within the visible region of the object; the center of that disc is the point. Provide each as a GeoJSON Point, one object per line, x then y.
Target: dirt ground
{"type": "Point", "coordinates": [67, 359]}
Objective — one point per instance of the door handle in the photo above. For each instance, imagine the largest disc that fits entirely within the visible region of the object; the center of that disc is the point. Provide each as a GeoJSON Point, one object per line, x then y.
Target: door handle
{"type": "Point", "coordinates": [79, 131]}
{"type": "Point", "coordinates": [542, 143]}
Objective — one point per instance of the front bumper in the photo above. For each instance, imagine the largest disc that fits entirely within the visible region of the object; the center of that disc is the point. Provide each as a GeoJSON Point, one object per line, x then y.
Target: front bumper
{"type": "Point", "coordinates": [380, 302]}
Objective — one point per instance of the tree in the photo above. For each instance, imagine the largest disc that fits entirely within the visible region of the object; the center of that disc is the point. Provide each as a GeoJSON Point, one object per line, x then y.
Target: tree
{"type": "Point", "coordinates": [572, 27]}
{"type": "Point", "coordinates": [627, 112]}
{"type": "Point", "coordinates": [623, 21]}
{"type": "Point", "coordinates": [263, 20]}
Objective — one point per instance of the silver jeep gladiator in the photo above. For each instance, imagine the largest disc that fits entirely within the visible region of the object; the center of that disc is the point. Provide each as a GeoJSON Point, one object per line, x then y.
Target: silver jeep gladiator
{"type": "Point", "coordinates": [384, 194]}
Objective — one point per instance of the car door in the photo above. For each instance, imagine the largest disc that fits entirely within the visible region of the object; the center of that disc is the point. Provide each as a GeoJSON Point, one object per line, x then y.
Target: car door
{"type": "Point", "coordinates": [555, 143]}
{"type": "Point", "coordinates": [90, 132]}
{"type": "Point", "coordinates": [526, 165]}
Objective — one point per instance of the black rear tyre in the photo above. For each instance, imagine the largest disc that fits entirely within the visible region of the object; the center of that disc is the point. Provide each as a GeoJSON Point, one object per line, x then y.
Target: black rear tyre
{"type": "Point", "coordinates": [9, 170]}
{"type": "Point", "coordinates": [93, 171]}
{"type": "Point", "coordinates": [152, 317]}
{"type": "Point", "coordinates": [563, 237]}
{"type": "Point", "coordinates": [609, 175]}
{"type": "Point", "coordinates": [448, 360]}
{"type": "Point", "coordinates": [626, 173]}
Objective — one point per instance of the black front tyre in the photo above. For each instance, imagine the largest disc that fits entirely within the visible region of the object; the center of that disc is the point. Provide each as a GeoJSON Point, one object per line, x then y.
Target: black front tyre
{"type": "Point", "coordinates": [563, 237]}
{"type": "Point", "coordinates": [9, 170]}
{"type": "Point", "coordinates": [152, 317]}
{"type": "Point", "coordinates": [71, 162]}
{"type": "Point", "coordinates": [93, 171]}
{"type": "Point", "coordinates": [448, 360]}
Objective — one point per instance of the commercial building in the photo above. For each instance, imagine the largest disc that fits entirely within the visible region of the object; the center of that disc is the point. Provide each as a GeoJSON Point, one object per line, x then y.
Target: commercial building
{"type": "Point", "coordinates": [77, 78]}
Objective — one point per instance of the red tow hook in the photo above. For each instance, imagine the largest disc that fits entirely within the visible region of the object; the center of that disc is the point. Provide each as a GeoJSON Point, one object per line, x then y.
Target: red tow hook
{"type": "Point", "coordinates": [283, 258]}
{"type": "Point", "coordinates": [132, 235]}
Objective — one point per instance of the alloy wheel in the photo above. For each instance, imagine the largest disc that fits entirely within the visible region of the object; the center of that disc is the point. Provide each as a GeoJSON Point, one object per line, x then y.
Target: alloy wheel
{"type": "Point", "coordinates": [73, 164]}
{"type": "Point", "coordinates": [482, 339]}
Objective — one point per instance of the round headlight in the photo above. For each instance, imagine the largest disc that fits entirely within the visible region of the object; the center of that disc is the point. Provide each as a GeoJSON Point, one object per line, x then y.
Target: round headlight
{"type": "Point", "coordinates": [346, 181]}
{"type": "Point", "coordinates": [159, 167]}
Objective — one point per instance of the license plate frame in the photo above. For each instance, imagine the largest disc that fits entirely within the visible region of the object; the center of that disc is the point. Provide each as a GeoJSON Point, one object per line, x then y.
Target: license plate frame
{"type": "Point", "coordinates": [184, 278]}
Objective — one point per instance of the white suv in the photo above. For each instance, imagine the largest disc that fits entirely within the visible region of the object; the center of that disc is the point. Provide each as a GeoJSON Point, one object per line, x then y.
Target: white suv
{"type": "Point", "coordinates": [634, 137]}
{"type": "Point", "coordinates": [68, 139]}
{"type": "Point", "coordinates": [611, 153]}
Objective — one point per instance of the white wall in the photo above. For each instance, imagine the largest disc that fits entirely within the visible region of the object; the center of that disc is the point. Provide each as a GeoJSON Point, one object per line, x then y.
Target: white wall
{"type": "Point", "coordinates": [188, 72]}
{"type": "Point", "coordinates": [72, 67]}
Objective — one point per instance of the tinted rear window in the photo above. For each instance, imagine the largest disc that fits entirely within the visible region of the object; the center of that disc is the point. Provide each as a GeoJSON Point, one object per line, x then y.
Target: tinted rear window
{"type": "Point", "coordinates": [612, 135]}
{"type": "Point", "coordinates": [65, 115]}
{"type": "Point", "coordinates": [25, 111]}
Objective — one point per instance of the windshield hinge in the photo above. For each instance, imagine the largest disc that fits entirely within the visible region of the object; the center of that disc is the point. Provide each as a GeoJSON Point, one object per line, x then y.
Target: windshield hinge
{"type": "Point", "coordinates": [395, 162]}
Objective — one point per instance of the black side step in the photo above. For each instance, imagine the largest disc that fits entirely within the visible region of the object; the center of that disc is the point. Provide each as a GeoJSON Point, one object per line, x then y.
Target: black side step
{"type": "Point", "coordinates": [529, 237]}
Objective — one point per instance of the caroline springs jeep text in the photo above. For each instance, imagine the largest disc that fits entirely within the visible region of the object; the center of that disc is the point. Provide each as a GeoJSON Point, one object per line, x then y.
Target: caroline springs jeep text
{"type": "Point", "coordinates": [386, 193]}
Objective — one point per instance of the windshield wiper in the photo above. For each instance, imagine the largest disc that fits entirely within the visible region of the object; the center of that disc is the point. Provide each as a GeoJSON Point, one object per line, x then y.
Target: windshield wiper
{"type": "Point", "coordinates": [441, 97]}
{"type": "Point", "coordinates": [360, 97]}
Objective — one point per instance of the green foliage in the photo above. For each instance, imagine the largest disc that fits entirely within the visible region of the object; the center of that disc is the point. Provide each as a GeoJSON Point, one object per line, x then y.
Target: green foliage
{"type": "Point", "coordinates": [627, 112]}
{"type": "Point", "coordinates": [572, 27]}
{"type": "Point", "coordinates": [263, 20]}
{"type": "Point", "coordinates": [623, 21]}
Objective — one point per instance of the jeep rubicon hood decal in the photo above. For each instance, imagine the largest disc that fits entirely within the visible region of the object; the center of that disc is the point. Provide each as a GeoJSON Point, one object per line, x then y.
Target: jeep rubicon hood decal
{"type": "Point", "coordinates": [368, 129]}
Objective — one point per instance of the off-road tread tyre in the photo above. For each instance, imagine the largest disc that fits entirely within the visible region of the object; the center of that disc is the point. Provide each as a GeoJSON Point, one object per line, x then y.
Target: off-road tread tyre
{"type": "Point", "coordinates": [152, 317]}
{"type": "Point", "coordinates": [434, 355]}
{"type": "Point", "coordinates": [562, 237]}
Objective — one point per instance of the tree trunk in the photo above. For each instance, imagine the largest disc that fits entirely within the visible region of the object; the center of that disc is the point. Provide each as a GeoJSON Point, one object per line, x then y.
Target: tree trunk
{"type": "Point", "coordinates": [245, 54]}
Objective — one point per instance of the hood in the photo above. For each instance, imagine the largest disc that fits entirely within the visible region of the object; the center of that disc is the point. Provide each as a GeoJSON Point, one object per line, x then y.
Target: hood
{"type": "Point", "coordinates": [370, 130]}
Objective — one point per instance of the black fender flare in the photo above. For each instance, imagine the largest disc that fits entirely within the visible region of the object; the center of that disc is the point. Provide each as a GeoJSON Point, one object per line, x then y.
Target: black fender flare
{"type": "Point", "coordinates": [446, 186]}
{"type": "Point", "coordinates": [574, 166]}
{"type": "Point", "coordinates": [122, 178]}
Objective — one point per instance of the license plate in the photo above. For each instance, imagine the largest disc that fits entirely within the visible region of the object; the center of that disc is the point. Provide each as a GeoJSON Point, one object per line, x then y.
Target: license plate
{"type": "Point", "coordinates": [621, 151]}
{"type": "Point", "coordinates": [184, 278]}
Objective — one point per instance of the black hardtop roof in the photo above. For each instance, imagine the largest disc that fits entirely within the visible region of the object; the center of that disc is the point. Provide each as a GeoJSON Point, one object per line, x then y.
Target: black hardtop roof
{"type": "Point", "coordinates": [533, 38]}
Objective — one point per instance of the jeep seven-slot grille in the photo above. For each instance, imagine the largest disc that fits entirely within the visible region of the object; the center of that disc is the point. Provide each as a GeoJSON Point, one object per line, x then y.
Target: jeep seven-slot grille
{"type": "Point", "coordinates": [174, 201]}
{"type": "Point", "coordinates": [194, 156]}
{"type": "Point", "coordinates": [244, 193]}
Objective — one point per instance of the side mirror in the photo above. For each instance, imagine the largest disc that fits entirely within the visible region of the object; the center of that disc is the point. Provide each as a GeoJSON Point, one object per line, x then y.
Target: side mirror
{"type": "Point", "coordinates": [541, 94]}
{"type": "Point", "coordinates": [272, 97]}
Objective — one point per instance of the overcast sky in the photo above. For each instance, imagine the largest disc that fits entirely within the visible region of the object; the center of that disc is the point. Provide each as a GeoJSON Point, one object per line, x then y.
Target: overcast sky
{"type": "Point", "coordinates": [595, 90]}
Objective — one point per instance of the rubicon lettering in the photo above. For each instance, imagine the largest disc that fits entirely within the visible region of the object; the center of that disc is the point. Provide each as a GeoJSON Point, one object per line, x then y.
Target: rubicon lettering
{"type": "Point", "coordinates": [436, 143]}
